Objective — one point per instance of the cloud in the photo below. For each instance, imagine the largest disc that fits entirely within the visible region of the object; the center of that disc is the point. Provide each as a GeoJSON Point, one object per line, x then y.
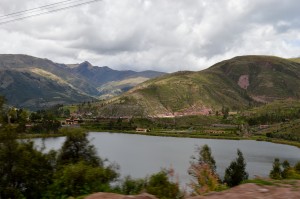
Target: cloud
{"type": "Point", "coordinates": [161, 35]}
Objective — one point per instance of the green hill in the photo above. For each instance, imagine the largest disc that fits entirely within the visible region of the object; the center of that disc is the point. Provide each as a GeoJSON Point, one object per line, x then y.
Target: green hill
{"type": "Point", "coordinates": [295, 59]}
{"type": "Point", "coordinates": [236, 83]}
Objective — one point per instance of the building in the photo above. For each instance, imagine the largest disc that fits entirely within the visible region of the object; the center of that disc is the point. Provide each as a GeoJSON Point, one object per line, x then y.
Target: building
{"type": "Point", "coordinates": [142, 130]}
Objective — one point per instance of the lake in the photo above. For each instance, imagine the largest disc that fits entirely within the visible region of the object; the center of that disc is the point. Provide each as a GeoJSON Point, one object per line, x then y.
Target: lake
{"type": "Point", "coordinates": [141, 155]}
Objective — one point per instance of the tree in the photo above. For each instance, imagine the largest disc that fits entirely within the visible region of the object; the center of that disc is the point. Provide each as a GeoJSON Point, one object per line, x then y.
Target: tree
{"type": "Point", "coordinates": [236, 172]}
{"type": "Point", "coordinates": [24, 171]}
{"type": "Point", "coordinates": [160, 186]}
{"type": "Point", "coordinates": [80, 179]}
{"type": "Point", "coordinates": [79, 169]}
{"type": "Point", "coordinates": [225, 112]}
{"type": "Point", "coordinates": [204, 179]}
{"type": "Point", "coordinates": [206, 157]}
{"type": "Point", "coordinates": [286, 168]}
{"type": "Point", "coordinates": [130, 186]}
{"type": "Point", "coordinates": [77, 148]}
{"type": "Point", "coordinates": [276, 172]}
{"type": "Point", "coordinates": [203, 172]}
{"type": "Point", "coordinates": [297, 167]}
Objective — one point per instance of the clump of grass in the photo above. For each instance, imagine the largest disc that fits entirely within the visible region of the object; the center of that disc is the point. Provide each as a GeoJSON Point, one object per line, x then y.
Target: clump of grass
{"type": "Point", "coordinates": [259, 181]}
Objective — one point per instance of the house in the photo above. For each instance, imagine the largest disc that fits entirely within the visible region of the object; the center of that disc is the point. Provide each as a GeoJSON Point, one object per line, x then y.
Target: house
{"type": "Point", "coordinates": [142, 130]}
{"type": "Point", "coordinates": [263, 126]}
{"type": "Point", "coordinates": [72, 121]}
{"type": "Point", "coordinates": [28, 126]}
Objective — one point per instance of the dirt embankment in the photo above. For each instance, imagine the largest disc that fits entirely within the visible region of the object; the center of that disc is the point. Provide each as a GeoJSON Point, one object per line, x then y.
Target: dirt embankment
{"type": "Point", "coordinates": [288, 190]}
{"type": "Point", "coordinates": [118, 196]}
{"type": "Point", "coordinates": [250, 191]}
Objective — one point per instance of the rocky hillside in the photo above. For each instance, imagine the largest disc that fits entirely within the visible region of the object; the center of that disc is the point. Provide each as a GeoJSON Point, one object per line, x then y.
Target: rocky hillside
{"type": "Point", "coordinates": [32, 82]}
{"type": "Point", "coordinates": [235, 83]}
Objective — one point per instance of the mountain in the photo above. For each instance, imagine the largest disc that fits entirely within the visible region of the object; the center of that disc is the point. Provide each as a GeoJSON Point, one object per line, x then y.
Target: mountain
{"type": "Point", "coordinates": [109, 82]}
{"type": "Point", "coordinates": [33, 83]}
{"type": "Point", "coordinates": [235, 83]}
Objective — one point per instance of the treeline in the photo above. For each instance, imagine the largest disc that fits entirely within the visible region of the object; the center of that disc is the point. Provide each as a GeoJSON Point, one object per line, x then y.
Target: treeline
{"type": "Point", "coordinates": [285, 136]}
{"type": "Point", "coordinates": [273, 117]}
{"type": "Point", "coordinates": [283, 170]}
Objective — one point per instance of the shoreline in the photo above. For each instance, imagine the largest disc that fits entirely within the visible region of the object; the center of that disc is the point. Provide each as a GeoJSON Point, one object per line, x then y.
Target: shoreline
{"type": "Point", "coordinates": [176, 134]}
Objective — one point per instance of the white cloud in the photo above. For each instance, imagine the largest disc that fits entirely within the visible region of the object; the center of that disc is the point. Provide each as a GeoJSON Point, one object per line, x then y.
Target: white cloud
{"type": "Point", "coordinates": [163, 35]}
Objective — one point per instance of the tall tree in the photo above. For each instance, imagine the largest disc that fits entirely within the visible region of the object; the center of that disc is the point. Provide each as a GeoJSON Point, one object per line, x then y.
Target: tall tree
{"type": "Point", "coordinates": [203, 172]}
{"type": "Point", "coordinates": [236, 172]}
{"type": "Point", "coordinates": [205, 156]}
{"type": "Point", "coordinates": [276, 171]}
{"type": "Point", "coordinates": [77, 148]}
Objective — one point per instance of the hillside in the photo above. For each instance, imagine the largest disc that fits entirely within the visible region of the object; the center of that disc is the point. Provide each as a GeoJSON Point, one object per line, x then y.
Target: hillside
{"type": "Point", "coordinates": [295, 59]}
{"type": "Point", "coordinates": [33, 83]}
{"type": "Point", "coordinates": [25, 89]}
{"type": "Point", "coordinates": [235, 83]}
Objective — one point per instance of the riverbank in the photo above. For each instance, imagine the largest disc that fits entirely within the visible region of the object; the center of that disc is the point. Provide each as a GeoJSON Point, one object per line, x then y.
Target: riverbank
{"type": "Point", "coordinates": [173, 133]}
{"type": "Point", "coordinates": [195, 134]}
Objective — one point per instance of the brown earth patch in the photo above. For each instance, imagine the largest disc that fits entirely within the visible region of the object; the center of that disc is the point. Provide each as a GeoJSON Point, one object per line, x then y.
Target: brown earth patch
{"type": "Point", "coordinates": [250, 191]}
{"type": "Point", "coordinates": [118, 196]}
{"type": "Point", "coordinates": [244, 81]}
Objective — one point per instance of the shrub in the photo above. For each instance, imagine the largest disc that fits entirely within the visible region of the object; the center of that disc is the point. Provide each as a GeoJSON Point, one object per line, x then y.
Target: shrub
{"type": "Point", "coordinates": [236, 172]}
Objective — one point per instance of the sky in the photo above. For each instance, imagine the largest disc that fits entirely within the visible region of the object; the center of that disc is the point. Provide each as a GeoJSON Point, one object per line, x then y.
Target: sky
{"type": "Point", "coordinates": [162, 35]}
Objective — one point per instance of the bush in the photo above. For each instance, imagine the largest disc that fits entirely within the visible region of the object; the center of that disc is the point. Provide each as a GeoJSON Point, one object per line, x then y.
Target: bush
{"type": "Point", "coordinates": [203, 172]}
{"type": "Point", "coordinates": [276, 172]}
{"type": "Point", "coordinates": [160, 186]}
{"type": "Point", "coordinates": [130, 186]}
{"type": "Point", "coordinates": [79, 179]}
{"type": "Point", "coordinates": [236, 172]}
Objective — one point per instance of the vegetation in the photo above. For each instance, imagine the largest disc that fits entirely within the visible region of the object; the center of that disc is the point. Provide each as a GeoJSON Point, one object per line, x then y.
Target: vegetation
{"type": "Point", "coordinates": [212, 90]}
{"type": "Point", "coordinates": [236, 172]}
{"type": "Point", "coordinates": [28, 173]}
{"type": "Point", "coordinates": [76, 149]}
{"type": "Point", "coordinates": [160, 186]}
{"type": "Point", "coordinates": [284, 170]}
{"type": "Point", "coordinates": [203, 171]}
{"type": "Point", "coordinates": [25, 172]}
{"type": "Point", "coordinates": [207, 104]}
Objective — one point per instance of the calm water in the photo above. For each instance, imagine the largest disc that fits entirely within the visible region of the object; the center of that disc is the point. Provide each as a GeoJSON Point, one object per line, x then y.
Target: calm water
{"type": "Point", "coordinates": [140, 155]}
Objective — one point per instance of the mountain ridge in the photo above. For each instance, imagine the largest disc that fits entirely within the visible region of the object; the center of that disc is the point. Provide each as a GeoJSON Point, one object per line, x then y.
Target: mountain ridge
{"type": "Point", "coordinates": [69, 84]}
{"type": "Point", "coordinates": [236, 83]}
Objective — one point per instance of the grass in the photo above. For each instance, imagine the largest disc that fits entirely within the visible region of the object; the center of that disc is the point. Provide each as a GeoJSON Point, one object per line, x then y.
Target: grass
{"type": "Point", "coordinates": [259, 181]}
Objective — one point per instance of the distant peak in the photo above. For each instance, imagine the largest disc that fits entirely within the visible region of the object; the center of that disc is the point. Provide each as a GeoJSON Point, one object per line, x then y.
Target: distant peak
{"type": "Point", "coordinates": [106, 67]}
{"type": "Point", "coordinates": [86, 64]}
